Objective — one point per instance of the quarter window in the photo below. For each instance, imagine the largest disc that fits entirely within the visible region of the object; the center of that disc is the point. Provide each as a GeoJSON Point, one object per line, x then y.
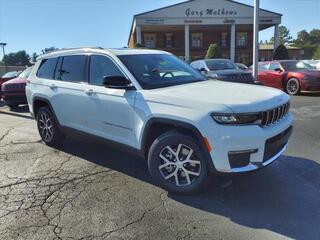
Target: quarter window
{"type": "Point", "coordinates": [47, 68]}
{"type": "Point", "coordinates": [101, 67]}
{"type": "Point", "coordinates": [73, 69]}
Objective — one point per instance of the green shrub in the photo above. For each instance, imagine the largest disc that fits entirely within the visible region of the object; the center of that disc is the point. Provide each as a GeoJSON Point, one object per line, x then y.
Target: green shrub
{"type": "Point", "coordinates": [281, 53]}
{"type": "Point", "coordinates": [213, 51]}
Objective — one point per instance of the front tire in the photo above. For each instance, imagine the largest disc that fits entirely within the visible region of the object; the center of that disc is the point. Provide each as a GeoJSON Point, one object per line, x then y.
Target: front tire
{"type": "Point", "coordinates": [48, 128]}
{"type": "Point", "coordinates": [293, 86]}
{"type": "Point", "coordinates": [176, 163]}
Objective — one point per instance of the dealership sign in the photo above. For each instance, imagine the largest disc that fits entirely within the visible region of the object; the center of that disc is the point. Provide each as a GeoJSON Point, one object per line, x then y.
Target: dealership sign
{"type": "Point", "coordinates": [210, 12]}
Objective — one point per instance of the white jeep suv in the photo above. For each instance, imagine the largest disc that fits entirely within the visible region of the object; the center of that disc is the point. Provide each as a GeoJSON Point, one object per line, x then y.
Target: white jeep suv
{"type": "Point", "coordinates": [153, 103]}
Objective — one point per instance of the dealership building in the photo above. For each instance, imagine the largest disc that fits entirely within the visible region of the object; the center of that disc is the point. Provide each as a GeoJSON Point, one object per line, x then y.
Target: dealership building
{"type": "Point", "coordinates": [187, 29]}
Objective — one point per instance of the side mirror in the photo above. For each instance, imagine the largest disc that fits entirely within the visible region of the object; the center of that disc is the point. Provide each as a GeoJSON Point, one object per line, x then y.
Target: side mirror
{"type": "Point", "coordinates": [278, 70]}
{"type": "Point", "coordinates": [203, 70]}
{"type": "Point", "coordinates": [117, 82]}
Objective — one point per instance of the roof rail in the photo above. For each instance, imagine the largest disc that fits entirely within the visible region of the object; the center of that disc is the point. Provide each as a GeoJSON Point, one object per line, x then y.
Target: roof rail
{"type": "Point", "coordinates": [75, 48]}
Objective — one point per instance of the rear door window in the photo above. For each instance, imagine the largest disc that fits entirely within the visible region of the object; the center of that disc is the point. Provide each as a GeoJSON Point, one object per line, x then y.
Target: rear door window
{"type": "Point", "coordinates": [73, 69]}
{"type": "Point", "coordinates": [47, 68]}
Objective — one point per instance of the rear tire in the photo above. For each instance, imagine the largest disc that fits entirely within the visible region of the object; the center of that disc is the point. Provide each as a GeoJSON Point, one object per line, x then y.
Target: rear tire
{"type": "Point", "coordinates": [293, 86]}
{"type": "Point", "coordinates": [48, 128]}
{"type": "Point", "coordinates": [177, 163]}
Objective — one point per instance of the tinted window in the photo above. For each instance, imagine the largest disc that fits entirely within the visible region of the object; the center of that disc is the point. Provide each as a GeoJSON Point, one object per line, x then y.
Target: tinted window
{"type": "Point", "coordinates": [25, 73]}
{"type": "Point", "coordinates": [220, 64]}
{"type": "Point", "coordinates": [47, 67]}
{"type": "Point", "coordinates": [10, 74]}
{"type": "Point", "coordinates": [296, 65]}
{"type": "Point", "coordinates": [263, 66]}
{"type": "Point", "coordinates": [73, 69]}
{"type": "Point", "coordinates": [58, 69]}
{"type": "Point", "coordinates": [160, 70]}
{"type": "Point", "coordinates": [101, 67]}
{"type": "Point", "coordinates": [274, 66]}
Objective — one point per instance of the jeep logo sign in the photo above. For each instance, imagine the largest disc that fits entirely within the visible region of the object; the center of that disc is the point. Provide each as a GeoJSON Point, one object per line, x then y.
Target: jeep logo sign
{"type": "Point", "coordinates": [209, 12]}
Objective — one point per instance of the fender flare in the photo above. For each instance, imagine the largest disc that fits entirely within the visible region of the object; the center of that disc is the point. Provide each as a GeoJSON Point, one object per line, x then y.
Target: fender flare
{"type": "Point", "coordinates": [179, 124]}
{"type": "Point", "coordinates": [42, 99]}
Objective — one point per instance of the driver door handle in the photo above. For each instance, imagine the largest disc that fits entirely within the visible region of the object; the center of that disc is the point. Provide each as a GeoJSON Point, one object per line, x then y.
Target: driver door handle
{"type": "Point", "coordinates": [52, 86]}
{"type": "Point", "coordinates": [89, 91]}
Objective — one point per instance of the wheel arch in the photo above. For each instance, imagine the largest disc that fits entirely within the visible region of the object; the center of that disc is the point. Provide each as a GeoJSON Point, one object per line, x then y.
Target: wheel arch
{"type": "Point", "coordinates": [39, 102]}
{"type": "Point", "coordinates": [157, 126]}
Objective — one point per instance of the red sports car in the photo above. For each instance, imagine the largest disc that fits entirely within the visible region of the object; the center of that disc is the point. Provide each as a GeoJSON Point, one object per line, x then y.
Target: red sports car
{"type": "Point", "coordinates": [292, 76]}
{"type": "Point", "coordinates": [13, 91]}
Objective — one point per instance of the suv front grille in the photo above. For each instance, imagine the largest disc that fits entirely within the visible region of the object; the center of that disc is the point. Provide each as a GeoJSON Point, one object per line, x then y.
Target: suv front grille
{"type": "Point", "coordinates": [274, 115]}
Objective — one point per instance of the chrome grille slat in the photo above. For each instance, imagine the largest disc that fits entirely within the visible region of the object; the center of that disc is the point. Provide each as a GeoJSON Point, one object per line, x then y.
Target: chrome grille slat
{"type": "Point", "coordinates": [274, 115]}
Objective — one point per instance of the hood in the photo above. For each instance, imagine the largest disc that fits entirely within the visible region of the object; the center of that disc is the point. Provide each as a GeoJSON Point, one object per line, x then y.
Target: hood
{"type": "Point", "coordinates": [16, 80]}
{"type": "Point", "coordinates": [218, 96]}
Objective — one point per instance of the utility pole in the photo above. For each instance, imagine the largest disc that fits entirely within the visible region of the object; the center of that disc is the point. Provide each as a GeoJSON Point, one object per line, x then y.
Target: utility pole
{"type": "Point", "coordinates": [4, 54]}
{"type": "Point", "coordinates": [255, 39]}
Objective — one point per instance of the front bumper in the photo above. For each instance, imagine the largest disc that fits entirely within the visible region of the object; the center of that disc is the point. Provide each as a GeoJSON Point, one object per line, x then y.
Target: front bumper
{"type": "Point", "coordinates": [251, 138]}
{"type": "Point", "coordinates": [14, 97]}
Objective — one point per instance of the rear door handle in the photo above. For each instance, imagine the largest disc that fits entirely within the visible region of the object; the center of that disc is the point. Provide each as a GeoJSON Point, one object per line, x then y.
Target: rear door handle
{"type": "Point", "coordinates": [53, 86]}
{"type": "Point", "coordinates": [89, 91]}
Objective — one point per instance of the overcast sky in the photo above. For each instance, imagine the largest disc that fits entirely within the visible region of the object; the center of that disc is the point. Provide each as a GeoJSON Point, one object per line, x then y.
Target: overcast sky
{"type": "Point", "coordinates": [34, 25]}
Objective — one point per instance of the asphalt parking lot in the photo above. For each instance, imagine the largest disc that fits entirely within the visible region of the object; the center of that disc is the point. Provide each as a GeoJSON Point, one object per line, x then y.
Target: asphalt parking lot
{"type": "Point", "coordinates": [87, 190]}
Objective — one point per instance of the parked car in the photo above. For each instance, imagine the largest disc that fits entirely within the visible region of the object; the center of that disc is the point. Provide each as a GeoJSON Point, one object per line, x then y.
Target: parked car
{"type": "Point", "coordinates": [242, 66]}
{"type": "Point", "coordinates": [292, 76]}
{"type": "Point", "coordinates": [7, 76]}
{"type": "Point", "coordinates": [13, 91]}
{"type": "Point", "coordinates": [152, 103]}
{"type": "Point", "coordinates": [222, 69]}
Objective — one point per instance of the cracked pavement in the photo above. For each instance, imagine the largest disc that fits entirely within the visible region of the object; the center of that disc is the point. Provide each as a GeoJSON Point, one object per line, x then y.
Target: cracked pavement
{"type": "Point", "coordinates": [87, 190]}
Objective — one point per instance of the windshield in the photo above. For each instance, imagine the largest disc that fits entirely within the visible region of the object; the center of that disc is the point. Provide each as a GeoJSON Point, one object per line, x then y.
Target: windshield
{"type": "Point", "coordinates": [25, 73]}
{"type": "Point", "coordinates": [220, 64]}
{"type": "Point", "coordinates": [160, 70]}
{"type": "Point", "coordinates": [10, 74]}
{"type": "Point", "coordinates": [296, 65]}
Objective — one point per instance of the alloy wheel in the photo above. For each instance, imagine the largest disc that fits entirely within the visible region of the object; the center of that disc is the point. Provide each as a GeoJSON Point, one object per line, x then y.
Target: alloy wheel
{"type": "Point", "coordinates": [179, 165]}
{"type": "Point", "coordinates": [45, 127]}
{"type": "Point", "coordinates": [292, 86]}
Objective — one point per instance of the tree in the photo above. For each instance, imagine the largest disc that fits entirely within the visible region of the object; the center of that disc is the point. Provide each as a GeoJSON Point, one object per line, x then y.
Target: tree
{"type": "Point", "coordinates": [34, 57]}
{"type": "Point", "coordinates": [284, 36]}
{"type": "Point", "coordinates": [20, 58]}
{"type": "Point", "coordinates": [315, 36]}
{"type": "Point", "coordinates": [316, 54]}
{"type": "Point", "coordinates": [281, 53]}
{"type": "Point", "coordinates": [213, 51]}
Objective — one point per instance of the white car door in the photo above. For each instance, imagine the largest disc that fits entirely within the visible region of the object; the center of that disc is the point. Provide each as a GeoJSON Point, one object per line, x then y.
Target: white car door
{"type": "Point", "coordinates": [68, 97]}
{"type": "Point", "coordinates": [109, 113]}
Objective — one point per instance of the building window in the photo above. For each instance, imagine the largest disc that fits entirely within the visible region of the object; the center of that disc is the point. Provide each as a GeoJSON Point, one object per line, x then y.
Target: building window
{"type": "Point", "coordinates": [224, 40]}
{"type": "Point", "coordinates": [168, 40]}
{"type": "Point", "coordinates": [196, 40]}
{"type": "Point", "coordinates": [150, 40]}
{"type": "Point", "coordinates": [242, 39]}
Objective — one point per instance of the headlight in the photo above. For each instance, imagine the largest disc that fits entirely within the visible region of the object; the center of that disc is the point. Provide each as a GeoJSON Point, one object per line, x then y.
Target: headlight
{"type": "Point", "coordinates": [254, 118]}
